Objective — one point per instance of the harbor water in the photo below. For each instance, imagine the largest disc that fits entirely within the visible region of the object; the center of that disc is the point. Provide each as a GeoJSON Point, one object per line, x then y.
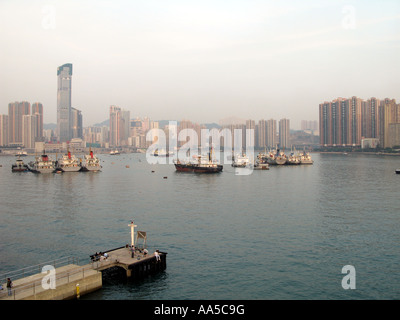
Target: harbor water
{"type": "Point", "coordinates": [284, 233]}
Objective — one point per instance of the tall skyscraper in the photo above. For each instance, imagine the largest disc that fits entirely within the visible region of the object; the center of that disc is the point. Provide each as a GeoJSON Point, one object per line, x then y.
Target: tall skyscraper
{"type": "Point", "coordinates": [284, 133]}
{"type": "Point", "coordinates": [64, 77]}
{"type": "Point", "coordinates": [15, 112]}
{"type": "Point", "coordinates": [3, 130]}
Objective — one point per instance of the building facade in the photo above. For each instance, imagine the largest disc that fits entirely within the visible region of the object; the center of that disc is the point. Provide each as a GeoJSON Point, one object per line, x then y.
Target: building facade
{"type": "Point", "coordinates": [284, 133]}
{"type": "Point", "coordinates": [345, 122]}
{"type": "Point", "coordinates": [64, 81]}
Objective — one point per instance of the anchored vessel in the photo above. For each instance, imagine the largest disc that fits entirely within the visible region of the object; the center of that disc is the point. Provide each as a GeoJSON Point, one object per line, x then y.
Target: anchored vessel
{"type": "Point", "coordinates": [92, 163]}
{"type": "Point", "coordinates": [69, 163]}
{"type": "Point", "coordinates": [162, 153]}
{"type": "Point", "coordinates": [204, 164]}
{"type": "Point", "coordinates": [276, 158]}
{"type": "Point", "coordinates": [240, 161]}
{"type": "Point", "coordinates": [261, 162]}
{"type": "Point", "coordinates": [42, 164]}
{"type": "Point", "coordinates": [19, 166]}
{"type": "Point", "coordinates": [305, 158]}
{"type": "Point", "coordinates": [293, 159]}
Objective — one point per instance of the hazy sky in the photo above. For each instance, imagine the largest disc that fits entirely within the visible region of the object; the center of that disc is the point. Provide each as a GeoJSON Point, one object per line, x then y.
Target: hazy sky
{"type": "Point", "coordinates": [199, 60]}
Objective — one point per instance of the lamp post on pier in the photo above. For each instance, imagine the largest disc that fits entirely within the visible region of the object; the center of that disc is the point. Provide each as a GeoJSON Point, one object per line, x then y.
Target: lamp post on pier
{"type": "Point", "coordinates": [132, 225]}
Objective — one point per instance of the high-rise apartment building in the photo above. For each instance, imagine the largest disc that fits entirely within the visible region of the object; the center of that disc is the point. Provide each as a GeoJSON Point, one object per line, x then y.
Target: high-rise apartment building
{"type": "Point", "coordinates": [29, 131]}
{"type": "Point", "coordinates": [3, 130]}
{"type": "Point", "coordinates": [119, 126]}
{"type": "Point", "coordinates": [251, 136]}
{"type": "Point", "coordinates": [345, 122]}
{"type": "Point", "coordinates": [262, 134]}
{"type": "Point", "coordinates": [76, 123]}
{"type": "Point", "coordinates": [64, 77]}
{"type": "Point", "coordinates": [388, 111]}
{"type": "Point", "coordinates": [284, 133]}
{"type": "Point", "coordinates": [16, 110]}
{"type": "Point", "coordinates": [271, 133]}
{"type": "Point", "coordinates": [37, 110]}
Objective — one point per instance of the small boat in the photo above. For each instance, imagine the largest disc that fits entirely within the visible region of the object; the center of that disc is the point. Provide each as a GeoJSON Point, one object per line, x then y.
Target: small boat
{"type": "Point", "coordinates": [21, 154]}
{"type": "Point", "coordinates": [162, 153]}
{"type": "Point", "coordinates": [114, 152]}
{"type": "Point", "coordinates": [397, 171]}
{"type": "Point", "coordinates": [42, 164]}
{"type": "Point", "coordinates": [261, 166]}
{"type": "Point", "coordinates": [19, 166]}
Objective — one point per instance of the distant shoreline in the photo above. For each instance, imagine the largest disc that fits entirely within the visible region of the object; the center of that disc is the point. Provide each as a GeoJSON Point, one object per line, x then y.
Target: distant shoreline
{"type": "Point", "coordinates": [350, 152]}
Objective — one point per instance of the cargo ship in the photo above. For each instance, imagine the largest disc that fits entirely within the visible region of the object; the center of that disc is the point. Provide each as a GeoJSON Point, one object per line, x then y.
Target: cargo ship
{"type": "Point", "coordinates": [202, 164]}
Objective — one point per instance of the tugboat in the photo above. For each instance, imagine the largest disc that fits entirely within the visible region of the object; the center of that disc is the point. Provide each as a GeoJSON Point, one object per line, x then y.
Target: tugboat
{"type": "Point", "coordinates": [19, 166]}
{"type": "Point", "coordinates": [92, 163]}
{"type": "Point", "coordinates": [69, 163]}
{"type": "Point", "coordinates": [42, 164]}
{"type": "Point", "coordinates": [204, 164]}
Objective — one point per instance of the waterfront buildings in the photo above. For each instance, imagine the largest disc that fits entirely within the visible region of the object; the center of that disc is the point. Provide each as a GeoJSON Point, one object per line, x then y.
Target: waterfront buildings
{"type": "Point", "coordinates": [345, 122]}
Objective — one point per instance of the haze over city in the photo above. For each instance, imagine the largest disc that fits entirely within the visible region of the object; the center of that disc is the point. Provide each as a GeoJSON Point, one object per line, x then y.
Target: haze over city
{"type": "Point", "coordinates": [202, 61]}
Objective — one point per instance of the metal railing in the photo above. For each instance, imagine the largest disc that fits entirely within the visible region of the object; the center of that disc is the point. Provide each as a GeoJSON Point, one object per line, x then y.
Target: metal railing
{"type": "Point", "coordinates": [31, 270]}
{"type": "Point", "coordinates": [36, 286]}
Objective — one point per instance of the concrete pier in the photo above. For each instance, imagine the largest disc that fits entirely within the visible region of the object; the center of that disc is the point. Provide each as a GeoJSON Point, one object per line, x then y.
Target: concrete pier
{"type": "Point", "coordinates": [73, 281]}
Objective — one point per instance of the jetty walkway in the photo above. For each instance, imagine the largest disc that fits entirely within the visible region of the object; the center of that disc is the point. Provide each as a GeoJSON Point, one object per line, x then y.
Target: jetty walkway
{"type": "Point", "coordinates": [70, 280]}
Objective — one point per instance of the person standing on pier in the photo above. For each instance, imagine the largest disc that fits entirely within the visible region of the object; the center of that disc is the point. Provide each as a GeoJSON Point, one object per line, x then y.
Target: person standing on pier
{"type": "Point", "coordinates": [157, 255]}
{"type": "Point", "coordinates": [9, 286]}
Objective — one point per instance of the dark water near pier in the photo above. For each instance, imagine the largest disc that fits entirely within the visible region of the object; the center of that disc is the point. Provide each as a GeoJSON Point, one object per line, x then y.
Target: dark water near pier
{"type": "Point", "coordinates": [285, 233]}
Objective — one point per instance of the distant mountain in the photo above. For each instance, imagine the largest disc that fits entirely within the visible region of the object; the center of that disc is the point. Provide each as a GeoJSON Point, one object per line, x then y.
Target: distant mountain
{"type": "Point", "coordinates": [104, 123]}
{"type": "Point", "coordinates": [49, 126]}
{"type": "Point", "coordinates": [162, 124]}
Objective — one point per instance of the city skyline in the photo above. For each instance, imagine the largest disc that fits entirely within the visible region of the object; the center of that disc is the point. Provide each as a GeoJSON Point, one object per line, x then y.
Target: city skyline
{"type": "Point", "coordinates": [177, 60]}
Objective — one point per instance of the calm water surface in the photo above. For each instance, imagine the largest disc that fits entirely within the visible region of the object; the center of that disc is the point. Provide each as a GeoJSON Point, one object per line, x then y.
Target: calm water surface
{"type": "Point", "coordinates": [285, 233]}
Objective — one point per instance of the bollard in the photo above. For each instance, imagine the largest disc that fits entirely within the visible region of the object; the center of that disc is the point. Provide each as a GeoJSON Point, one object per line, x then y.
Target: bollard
{"type": "Point", "coordinates": [77, 291]}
